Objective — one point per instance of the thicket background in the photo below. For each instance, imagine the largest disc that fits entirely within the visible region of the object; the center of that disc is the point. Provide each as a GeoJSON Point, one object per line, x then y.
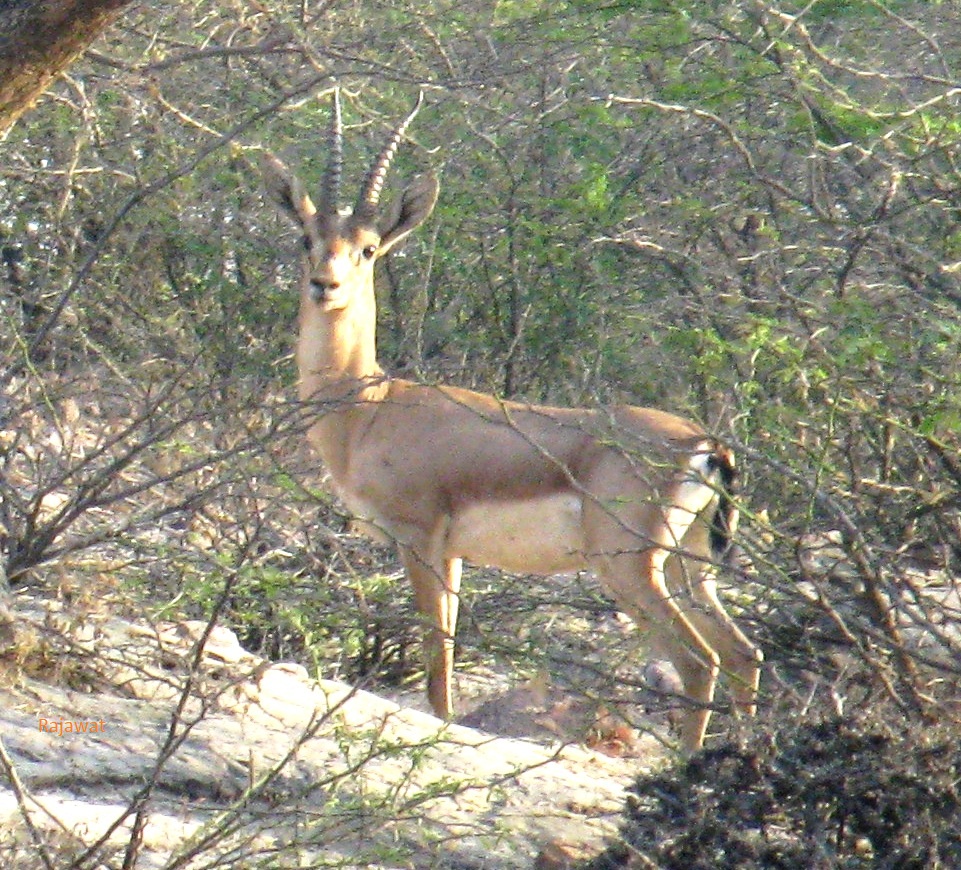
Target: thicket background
{"type": "Point", "coordinates": [745, 212]}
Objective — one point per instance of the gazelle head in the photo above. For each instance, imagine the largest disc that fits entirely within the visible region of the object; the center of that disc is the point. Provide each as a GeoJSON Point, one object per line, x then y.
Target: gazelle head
{"type": "Point", "coordinates": [341, 246]}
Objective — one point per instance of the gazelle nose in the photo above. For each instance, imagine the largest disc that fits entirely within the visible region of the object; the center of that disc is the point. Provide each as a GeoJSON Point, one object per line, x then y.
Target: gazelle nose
{"type": "Point", "coordinates": [319, 289]}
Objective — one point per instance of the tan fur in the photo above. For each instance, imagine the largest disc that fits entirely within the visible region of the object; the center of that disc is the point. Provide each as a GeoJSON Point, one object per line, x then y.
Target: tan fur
{"type": "Point", "coordinates": [449, 473]}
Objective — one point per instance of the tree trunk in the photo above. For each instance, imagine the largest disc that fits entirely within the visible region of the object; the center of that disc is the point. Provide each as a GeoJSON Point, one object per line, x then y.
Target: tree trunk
{"type": "Point", "coordinates": [40, 38]}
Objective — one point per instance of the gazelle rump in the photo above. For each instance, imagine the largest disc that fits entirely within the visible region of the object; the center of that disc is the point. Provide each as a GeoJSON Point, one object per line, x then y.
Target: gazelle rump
{"type": "Point", "coordinates": [636, 495]}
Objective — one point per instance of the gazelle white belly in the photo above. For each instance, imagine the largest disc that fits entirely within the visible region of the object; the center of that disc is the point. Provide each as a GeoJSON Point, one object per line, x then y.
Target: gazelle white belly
{"type": "Point", "coordinates": [536, 536]}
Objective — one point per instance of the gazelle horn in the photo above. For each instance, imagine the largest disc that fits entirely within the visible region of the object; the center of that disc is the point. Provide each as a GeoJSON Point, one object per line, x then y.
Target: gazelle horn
{"type": "Point", "coordinates": [335, 163]}
{"type": "Point", "coordinates": [374, 182]}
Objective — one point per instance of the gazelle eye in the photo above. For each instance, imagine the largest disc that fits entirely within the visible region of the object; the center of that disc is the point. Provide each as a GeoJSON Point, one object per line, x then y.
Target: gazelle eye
{"type": "Point", "coordinates": [368, 252]}
{"type": "Point", "coordinates": [307, 243]}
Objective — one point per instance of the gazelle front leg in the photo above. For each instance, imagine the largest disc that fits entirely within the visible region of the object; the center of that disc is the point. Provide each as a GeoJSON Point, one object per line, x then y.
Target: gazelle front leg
{"type": "Point", "coordinates": [436, 597]}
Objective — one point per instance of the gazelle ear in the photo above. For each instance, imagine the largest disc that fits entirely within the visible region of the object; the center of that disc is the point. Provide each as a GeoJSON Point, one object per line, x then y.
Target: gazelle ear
{"type": "Point", "coordinates": [285, 189]}
{"type": "Point", "coordinates": [409, 211]}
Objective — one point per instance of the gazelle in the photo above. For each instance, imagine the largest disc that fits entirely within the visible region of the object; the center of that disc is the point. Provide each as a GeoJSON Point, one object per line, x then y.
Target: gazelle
{"type": "Point", "coordinates": [636, 495]}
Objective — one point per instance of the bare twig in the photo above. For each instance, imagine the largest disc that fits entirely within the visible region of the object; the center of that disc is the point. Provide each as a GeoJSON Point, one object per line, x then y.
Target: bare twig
{"type": "Point", "coordinates": [22, 796]}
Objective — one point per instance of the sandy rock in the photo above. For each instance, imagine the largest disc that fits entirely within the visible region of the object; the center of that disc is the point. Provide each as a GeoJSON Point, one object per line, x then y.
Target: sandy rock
{"type": "Point", "coordinates": [242, 754]}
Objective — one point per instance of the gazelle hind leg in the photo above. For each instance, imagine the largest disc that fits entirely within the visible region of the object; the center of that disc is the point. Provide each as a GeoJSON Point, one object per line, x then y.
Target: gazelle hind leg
{"type": "Point", "coordinates": [633, 545]}
{"type": "Point", "coordinates": [691, 579]}
{"type": "Point", "coordinates": [635, 579]}
{"type": "Point", "coordinates": [740, 658]}
{"type": "Point", "coordinates": [691, 576]}
{"type": "Point", "coordinates": [671, 634]}
{"type": "Point", "coordinates": [436, 597]}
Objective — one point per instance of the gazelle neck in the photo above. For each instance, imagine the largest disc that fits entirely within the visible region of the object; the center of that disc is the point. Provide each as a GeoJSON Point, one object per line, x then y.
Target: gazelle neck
{"type": "Point", "coordinates": [337, 352]}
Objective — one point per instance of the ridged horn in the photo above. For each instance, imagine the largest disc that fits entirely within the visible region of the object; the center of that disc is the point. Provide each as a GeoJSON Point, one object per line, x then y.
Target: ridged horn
{"type": "Point", "coordinates": [374, 181]}
{"type": "Point", "coordinates": [330, 192]}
